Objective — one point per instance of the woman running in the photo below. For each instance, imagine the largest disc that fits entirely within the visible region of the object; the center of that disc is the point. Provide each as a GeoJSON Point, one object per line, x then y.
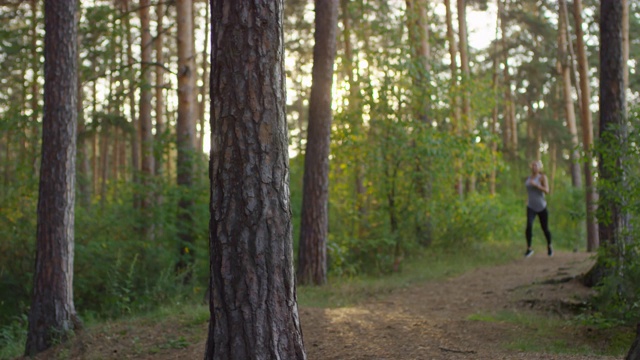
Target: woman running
{"type": "Point", "coordinates": [537, 186]}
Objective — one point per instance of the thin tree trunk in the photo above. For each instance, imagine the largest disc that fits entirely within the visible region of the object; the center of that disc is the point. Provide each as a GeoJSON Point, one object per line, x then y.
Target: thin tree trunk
{"type": "Point", "coordinates": [464, 65]}
{"type": "Point", "coordinates": [496, 110]}
{"type": "Point", "coordinates": [510, 134]}
{"type": "Point", "coordinates": [553, 159]}
{"type": "Point", "coordinates": [160, 85]}
{"type": "Point", "coordinates": [625, 42]}
{"type": "Point", "coordinates": [135, 135]}
{"type": "Point", "coordinates": [35, 89]}
{"type": "Point", "coordinates": [94, 139]}
{"type": "Point", "coordinates": [564, 70]}
{"type": "Point", "coordinates": [254, 311]}
{"type": "Point", "coordinates": [456, 120]}
{"type": "Point", "coordinates": [104, 161]}
{"type": "Point", "coordinates": [466, 83]}
{"type": "Point", "coordinates": [8, 162]}
{"type": "Point", "coordinates": [538, 153]}
{"type": "Point", "coordinates": [185, 133]}
{"type": "Point", "coordinates": [451, 40]}
{"type": "Point", "coordinates": [84, 168]}
{"type": "Point", "coordinates": [205, 82]}
{"type": "Point", "coordinates": [52, 315]}
{"type": "Point", "coordinates": [587, 131]}
{"type": "Point", "coordinates": [160, 126]}
{"type": "Point", "coordinates": [417, 25]}
{"type": "Point", "coordinates": [145, 123]}
{"type": "Point", "coordinates": [314, 226]}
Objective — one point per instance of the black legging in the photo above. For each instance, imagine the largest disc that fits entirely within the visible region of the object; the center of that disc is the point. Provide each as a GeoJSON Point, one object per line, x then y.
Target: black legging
{"type": "Point", "coordinates": [544, 222]}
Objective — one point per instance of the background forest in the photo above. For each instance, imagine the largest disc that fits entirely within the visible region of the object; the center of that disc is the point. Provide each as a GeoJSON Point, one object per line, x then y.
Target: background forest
{"type": "Point", "coordinates": [427, 154]}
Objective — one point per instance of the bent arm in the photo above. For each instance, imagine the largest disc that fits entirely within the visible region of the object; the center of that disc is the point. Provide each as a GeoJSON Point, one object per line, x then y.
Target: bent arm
{"type": "Point", "coordinates": [544, 184]}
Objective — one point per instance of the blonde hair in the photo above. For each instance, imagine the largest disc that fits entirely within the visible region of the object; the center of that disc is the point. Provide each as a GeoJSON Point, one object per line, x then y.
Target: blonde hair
{"type": "Point", "coordinates": [539, 163]}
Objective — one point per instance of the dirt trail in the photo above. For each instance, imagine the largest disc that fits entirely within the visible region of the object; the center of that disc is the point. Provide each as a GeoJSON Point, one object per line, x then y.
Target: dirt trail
{"type": "Point", "coordinates": [424, 321]}
{"type": "Point", "coordinates": [430, 321]}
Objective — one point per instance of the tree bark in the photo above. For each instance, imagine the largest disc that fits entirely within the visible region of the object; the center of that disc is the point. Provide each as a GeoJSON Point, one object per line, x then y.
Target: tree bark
{"type": "Point", "coordinates": [417, 25]}
{"type": "Point", "coordinates": [456, 120]}
{"type": "Point", "coordinates": [587, 130]}
{"type": "Point", "coordinates": [496, 110]}
{"type": "Point", "coordinates": [625, 42]}
{"type": "Point", "coordinates": [145, 123]}
{"type": "Point", "coordinates": [160, 85]}
{"type": "Point", "coordinates": [451, 40]}
{"type": "Point", "coordinates": [613, 129]}
{"type": "Point", "coordinates": [205, 83]}
{"type": "Point", "coordinates": [135, 135]}
{"type": "Point", "coordinates": [185, 133]}
{"type": "Point", "coordinates": [35, 89]}
{"type": "Point", "coordinates": [52, 314]}
{"type": "Point", "coordinates": [464, 65]}
{"type": "Point", "coordinates": [312, 255]}
{"type": "Point", "coordinates": [564, 70]}
{"type": "Point", "coordinates": [510, 134]}
{"type": "Point", "coordinates": [254, 311]}
{"type": "Point", "coordinates": [84, 168]}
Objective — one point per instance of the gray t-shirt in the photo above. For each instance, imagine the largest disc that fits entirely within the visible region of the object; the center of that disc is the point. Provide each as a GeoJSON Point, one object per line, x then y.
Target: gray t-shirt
{"type": "Point", "coordinates": [536, 201]}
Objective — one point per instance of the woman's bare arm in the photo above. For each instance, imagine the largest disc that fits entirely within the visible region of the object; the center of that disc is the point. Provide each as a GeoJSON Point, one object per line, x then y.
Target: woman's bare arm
{"type": "Point", "coordinates": [544, 185]}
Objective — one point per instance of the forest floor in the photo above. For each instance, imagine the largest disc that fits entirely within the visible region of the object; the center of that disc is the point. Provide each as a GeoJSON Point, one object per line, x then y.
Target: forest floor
{"type": "Point", "coordinates": [519, 310]}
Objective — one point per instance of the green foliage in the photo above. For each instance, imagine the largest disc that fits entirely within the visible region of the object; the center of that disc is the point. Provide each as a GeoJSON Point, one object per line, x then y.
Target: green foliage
{"type": "Point", "coordinates": [568, 214]}
{"type": "Point", "coordinates": [13, 336]}
{"type": "Point", "coordinates": [118, 271]}
{"type": "Point", "coordinates": [618, 299]}
{"type": "Point", "coordinates": [479, 218]}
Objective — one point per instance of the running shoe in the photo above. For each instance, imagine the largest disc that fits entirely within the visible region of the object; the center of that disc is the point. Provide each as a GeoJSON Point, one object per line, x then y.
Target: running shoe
{"type": "Point", "coordinates": [528, 253]}
{"type": "Point", "coordinates": [550, 250]}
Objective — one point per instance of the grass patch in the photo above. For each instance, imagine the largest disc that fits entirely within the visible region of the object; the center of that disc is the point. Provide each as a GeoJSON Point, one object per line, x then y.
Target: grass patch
{"type": "Point", "coordinates": [432, 264]}
{"type": "Point", "coordinates": [547, 334]}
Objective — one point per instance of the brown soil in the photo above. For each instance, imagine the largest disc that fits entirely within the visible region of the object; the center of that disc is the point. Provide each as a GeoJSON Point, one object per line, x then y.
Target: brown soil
{"type": "Point", "coordinates": [424, 321]}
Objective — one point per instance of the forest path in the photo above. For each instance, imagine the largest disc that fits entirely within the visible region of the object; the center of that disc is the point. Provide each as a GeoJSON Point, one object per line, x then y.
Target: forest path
{"type": "Point", "coordinates": [431, 320]}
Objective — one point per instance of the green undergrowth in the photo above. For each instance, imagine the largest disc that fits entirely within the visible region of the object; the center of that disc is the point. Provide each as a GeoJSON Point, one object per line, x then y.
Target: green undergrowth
{"type": "Point", "coordinates": [535, 333]}
{"type": "Point", "coordinates": [431, 264]}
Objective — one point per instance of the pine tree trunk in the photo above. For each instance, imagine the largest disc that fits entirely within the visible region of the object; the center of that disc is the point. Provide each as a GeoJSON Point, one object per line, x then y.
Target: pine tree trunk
{"type": "Point", "coordinates": [147, 167]}
{"type": "Point", "coordinates": [52, 314]}
{"type": "Point", "coordinates": [135, 135]}
{"type": "Point", "coordinates": [254, 311]}
{"type": "Point", "coordinates": [496, 110]}
{"type": "Point", "coordinates": [464, 66]}
{"type": "Point", "coordinates": [625, 42]}
{"type": "Point", "coordinates": [451, 40]}
{"type": "Point", "coordinates": [185, 132]}
{"type": "Point", "coordinates": [160, 123]}
{"type": "Point", "coordinates": [104, 160]}
{"type": "Point", "coordinates": [205, 83]}
{"type": "Point", "coordinates": [587, 131]}
{"type": "Point", "coordinates": [417, 25]}
{"type": "Point", "coordinates": [456, 120]}
{"type": "Point", "coordinates": [613, 129]}
{"type": "Point", "coordinates": [84, 168]}
{"type": "Point", "coordinates": [34, 86]}
{"type": "Point", "coordinates": [312, 255]}
{"type": "Point", "coordinates": [564, 70]}
{"type": "Point", "coordinates": [510, 134]}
